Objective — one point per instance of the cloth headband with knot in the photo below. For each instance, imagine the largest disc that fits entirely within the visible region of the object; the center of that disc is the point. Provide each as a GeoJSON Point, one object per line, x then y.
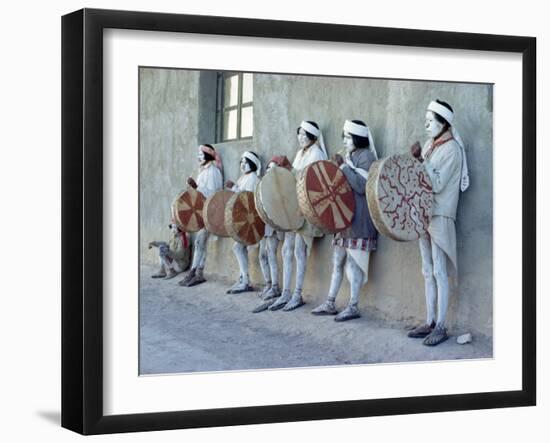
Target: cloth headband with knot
{"type": "Point", "coordinates": [441, 110]}
{"type": "Point", "coordinates": [213, 153]}
{"type": "Point", "coordinates": [254, 159]}
{"type": "Point", "coordinates": [356, 129]}
{"type": "Point", "coordinates": [310, 128]}
{"type": "Point", "coordinates": [282, 161]}
{"type": "Point", "coordinates": [317, 133]}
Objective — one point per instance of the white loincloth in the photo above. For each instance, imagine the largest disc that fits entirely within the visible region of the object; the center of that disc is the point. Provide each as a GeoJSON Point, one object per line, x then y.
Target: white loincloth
{"type": "Point", "coordinates": [361, 258]}
{"type": "Point", "coordinates": [443, 233]}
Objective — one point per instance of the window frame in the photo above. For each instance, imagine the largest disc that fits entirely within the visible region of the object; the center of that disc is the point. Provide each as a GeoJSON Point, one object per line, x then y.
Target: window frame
{"type": "Point", "coordinates": [221, 109]}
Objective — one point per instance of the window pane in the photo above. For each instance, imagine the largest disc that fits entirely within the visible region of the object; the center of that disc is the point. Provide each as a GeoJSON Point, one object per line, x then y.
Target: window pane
{"type": "Point", "coordinates": [247, 88]}
{"type": "Point", "coordinates": [247, 122]}
{"type": "Point", "coordinates": [231, 91]}
{"type": "Point", "coordinates": [230, 125]}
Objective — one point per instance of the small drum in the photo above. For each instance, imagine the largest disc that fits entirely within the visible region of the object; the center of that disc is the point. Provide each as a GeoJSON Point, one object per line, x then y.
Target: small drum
{"type": "Point", "coordinates": [325, 197]}
{"type": "Point", "coordinates": [242, 221]}
{"type": "Point", "coordinates": [187, 210]}
{"type": "Point", "coordinates": [276, 200]}
{"type": "Point", "coordinates": [214, 212]}
{"type": "Point", "coordinates": [400, 198]}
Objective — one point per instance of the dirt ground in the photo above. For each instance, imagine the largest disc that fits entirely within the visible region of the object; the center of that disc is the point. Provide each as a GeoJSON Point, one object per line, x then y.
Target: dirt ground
{"type": "Point", "coordinates": [204, 329]}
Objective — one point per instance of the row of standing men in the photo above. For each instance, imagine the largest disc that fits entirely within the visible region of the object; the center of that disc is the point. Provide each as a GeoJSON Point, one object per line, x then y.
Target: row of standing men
{"type": "Point", "coordinates": [444, 158]}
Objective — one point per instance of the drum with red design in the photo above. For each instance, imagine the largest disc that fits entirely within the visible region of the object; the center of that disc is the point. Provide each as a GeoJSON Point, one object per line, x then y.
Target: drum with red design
{"type": "Point", "coordinates": [325, 197]}
{"type": "Point", "coordinates": [400, 198]}
{"type": "Point", "coordinates": [214, 212]}
{"type": "Point", "coordinates": [242, 220]}
{"type": "Point", "coordinates": [187, 210]}
{"type": "Point", "coordinates": [276, 201]}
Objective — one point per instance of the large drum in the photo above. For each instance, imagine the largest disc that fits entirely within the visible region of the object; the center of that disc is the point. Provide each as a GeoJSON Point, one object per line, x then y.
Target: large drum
{"type": "Point", "coordinates": [187, 210]}
{"type": "Point", "coordinates": [242, 221]}
{"type": "Point", "coordinates": [400, 198]}
{"type": "Point", "coordinates": [325, 197]}
{"type": "Point", "coordinates": [276, 200]}
{"type": "Point", "coordinates": [214, 212]}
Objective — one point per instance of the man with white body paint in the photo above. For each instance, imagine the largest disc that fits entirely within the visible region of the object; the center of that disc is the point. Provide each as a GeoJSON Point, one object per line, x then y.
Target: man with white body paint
{"type": "Point", "coordinates": [251, 168]}
{"type": "Point", "coordinates": [311, 149]}
{"type": "Point", "coordinates": [174, 255]}
{"type": "Point", "coordinates": [353, 246]}
{"type": "Point", "coordinates": [268, 251]}
{"type": "Point", "coordinates": [445, 161]}
{"type": "Point", "coordinates": [209, 181]}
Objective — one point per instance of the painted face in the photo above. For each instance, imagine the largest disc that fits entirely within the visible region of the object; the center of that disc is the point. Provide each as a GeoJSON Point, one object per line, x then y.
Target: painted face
{"type": "Point", "coordinates": [200, 158]}
{"type": "Point", "coordinates": [245, 167]}
{"type": "Point", "coordinates": [433, 127]}
{"type": "Point", "coordinates": [174, 228]}
{"type": "Point", "coordinates": [347, 141]}
{"type": "Point", "coordinates": [303, 140]}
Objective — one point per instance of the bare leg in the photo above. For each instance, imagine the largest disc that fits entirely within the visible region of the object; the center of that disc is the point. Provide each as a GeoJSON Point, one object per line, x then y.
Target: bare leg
{"type": "Point", "coordinates": [199, 255]}
{"type": "Point", "coordinates": [439, 334]}
{"type": "Point", "coordinates": [355, 277]}
{"type": "Point", "coordinates": [241, 252]}
{"type": "Point", "coordinates": [171, 266]}
{"type": "Point", "coordinates": [430, 289]}
{"type": "Point", "coordinates": [195, 275]}
{"type": "Point", "coordinates": [338, 262]}
{"type": "Point", "coordinates": [429, 280]}
{"type": "Point", "coordinates": [273, 291]}
{"type": "Point", "coordinates": [264, 263]}
{"type": "Point", "coordinates": [288, 250]}
{"type": "Point", "coordinates": [300, 253]}
{"type": "Point", "coordinates": [272, 245]}
{"type": "Point", "coordinates": [161, 273]}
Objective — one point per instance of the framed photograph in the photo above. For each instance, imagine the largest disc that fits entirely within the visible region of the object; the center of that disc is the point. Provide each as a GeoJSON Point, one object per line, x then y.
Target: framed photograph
{"type": "Point", "coordinates": [340, 221]}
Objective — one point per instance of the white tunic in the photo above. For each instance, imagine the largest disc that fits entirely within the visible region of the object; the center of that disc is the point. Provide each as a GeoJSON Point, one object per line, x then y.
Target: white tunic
{"type": "Point", "coordinates": [312, 154]}
{"type": "Point", "coordinates": [209, 180]}
{"type": "Point", "coordinates": [246, 182]}
{"type": "Point", "coordinates": [444, 167]}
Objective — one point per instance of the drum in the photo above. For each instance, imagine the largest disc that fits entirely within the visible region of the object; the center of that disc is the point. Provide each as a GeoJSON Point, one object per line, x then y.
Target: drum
{"type": "Point", "coordinates": [400, 198]}
{"type": "Point", "coordinates": [242, 221]}
{"type": "Point", "coordinates": [214, 212]}
{"type": "Point", "coordinates": [276, 200]}
{"type": "Point", "coordinates": [187, 210]}
{"type": "Point", "coordinates": [325, 197]}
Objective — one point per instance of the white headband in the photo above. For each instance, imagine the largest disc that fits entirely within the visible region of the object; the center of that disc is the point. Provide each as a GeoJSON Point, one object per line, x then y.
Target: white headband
{"type": "Point", "coordinates": [254, 159]}
{"type": "Point", "coordinates": [355, 129]}
{"type": "Point", "coordinates": [361, 131]}
{"type": "Point", "coordinates": [310, 128]}
{"type": "Point", "coordinates": [441, 110]}
{"type": "Point", "coordinates": [317, 133]}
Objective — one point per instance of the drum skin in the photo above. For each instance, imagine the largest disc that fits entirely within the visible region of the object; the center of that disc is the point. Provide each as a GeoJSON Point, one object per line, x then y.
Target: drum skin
{"type": "Point", "coordinates": [325, 197]}
{"type": "Point", "coordinates": [400, 198]}
{"type": "Point", "coordinates": [276, 200]}
{"type": "Point", "coordinates": [214, 212]}
{"type": "Point", "coordinates": [187, 210]}
{"type": "Point", "coordinates": [242, 221]}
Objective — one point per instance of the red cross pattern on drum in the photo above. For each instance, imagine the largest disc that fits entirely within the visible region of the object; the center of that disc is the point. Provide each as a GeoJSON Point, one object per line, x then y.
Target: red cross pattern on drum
{"type": "Point", "coordinates": [187, 210]}
{"type": "Point", "coordinates": [400, 198]}
{"type": "Point", "coordinates": [242, 220]}
{"type": "Point", "coordinates": [325, 197]}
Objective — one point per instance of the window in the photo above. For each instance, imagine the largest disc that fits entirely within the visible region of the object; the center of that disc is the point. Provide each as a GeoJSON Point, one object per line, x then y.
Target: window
{"type": "Point", "coordinates": [235, 109]}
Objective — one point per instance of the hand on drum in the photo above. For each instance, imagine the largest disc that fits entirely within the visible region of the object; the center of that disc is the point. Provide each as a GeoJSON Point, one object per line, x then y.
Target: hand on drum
{"type": "Point", "coordinates": [337, 159]}
{"type": "Point", "coordinates": [229, 184]}
{"type": "Point", "coordinates": [191, 182]}
{"type": "Point", "coordinates": [416, 151]}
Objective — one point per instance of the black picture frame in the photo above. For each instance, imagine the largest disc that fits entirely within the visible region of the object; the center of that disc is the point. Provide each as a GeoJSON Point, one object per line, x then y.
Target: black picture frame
{"type": "Point", "coordinates": [82, 218]}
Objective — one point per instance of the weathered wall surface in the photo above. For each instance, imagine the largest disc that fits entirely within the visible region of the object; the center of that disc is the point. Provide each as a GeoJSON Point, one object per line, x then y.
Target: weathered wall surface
{"type": "Point", "coordinates": [178, 112]}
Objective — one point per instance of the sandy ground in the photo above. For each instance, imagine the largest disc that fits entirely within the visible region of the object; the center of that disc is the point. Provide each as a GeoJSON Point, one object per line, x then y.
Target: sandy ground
{"type": "Point", "coordinates": [204, 329]}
